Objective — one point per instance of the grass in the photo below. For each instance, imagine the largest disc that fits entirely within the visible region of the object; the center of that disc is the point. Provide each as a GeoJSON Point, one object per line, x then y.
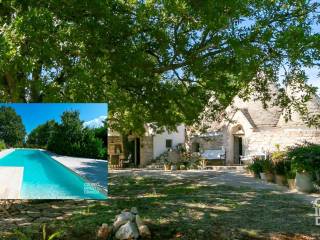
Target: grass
{"type": "Point", "coordinates": [183, 209]}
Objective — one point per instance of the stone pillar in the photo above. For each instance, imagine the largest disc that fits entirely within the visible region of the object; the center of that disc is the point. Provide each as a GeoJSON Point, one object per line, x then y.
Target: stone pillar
{"type": "Point", "coordinates": [146, 150]}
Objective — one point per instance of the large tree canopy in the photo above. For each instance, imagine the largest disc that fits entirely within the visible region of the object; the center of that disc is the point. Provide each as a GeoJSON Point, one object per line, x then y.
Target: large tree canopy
{"type": "Point", "coordinates": [12, 130]}
{"type": "Point", "coordinates": [155, 60]}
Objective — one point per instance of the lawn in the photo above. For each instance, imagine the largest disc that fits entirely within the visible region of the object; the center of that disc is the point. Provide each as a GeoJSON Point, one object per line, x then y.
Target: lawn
{"type": "Point", "coordinates": [183, 209]}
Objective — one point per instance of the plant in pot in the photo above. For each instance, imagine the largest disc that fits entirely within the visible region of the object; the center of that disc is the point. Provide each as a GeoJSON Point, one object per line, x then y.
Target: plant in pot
{"type": "Point", "coordinates": [291, 175]}
{"type": "Point", "coordinates": [255, 168]}
{"type": "Point", "coordinates": [194, 161]}
{"type": "Point", "coordinates": [280, 172]}
{"type": "Point", "coordinates": [166, 162]}
{"type": "Point", "coordinates": [267, 170]}
{"type": "Point", "coordinates": [304, 161]}
{"type": "Point", "coordinates": [279, 161]}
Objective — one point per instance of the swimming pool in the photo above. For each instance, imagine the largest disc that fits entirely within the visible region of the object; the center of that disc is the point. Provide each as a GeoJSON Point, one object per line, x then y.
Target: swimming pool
{"type": "Point", "coordinates": [45, 178]}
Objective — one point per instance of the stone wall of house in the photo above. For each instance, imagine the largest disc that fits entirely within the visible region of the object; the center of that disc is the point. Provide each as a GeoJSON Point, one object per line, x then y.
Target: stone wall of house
{"type": "Point", "coordinates": [207, 143]}
{"type": "Point", "coordinates": [146, 150]}
{"type": "Point", "coordinates": [267, 139]}
{"type": "Point", "coordinates": [114, 143]}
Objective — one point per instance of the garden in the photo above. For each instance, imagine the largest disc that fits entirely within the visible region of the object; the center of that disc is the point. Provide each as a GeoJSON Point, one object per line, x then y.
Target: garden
{"type": "Point", "coordinates": [297, 166]}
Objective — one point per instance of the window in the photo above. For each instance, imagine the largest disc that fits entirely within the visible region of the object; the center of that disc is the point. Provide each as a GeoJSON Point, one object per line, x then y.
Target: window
{"type": "Point", "coordinates": [168, 143]}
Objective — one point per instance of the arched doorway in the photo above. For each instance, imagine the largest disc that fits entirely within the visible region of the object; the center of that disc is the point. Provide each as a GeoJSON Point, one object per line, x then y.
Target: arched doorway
{"type": "Point", "coordinates": [238, 137]}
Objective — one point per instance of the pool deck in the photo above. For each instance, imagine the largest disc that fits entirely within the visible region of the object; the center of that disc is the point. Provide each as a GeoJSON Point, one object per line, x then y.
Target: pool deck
{"type": "Point", "coordinates": [94, 170]}
{"type": "Point", "coordinates": [10, 182]}
{"type": "Point", "coordinates": [5, 152]}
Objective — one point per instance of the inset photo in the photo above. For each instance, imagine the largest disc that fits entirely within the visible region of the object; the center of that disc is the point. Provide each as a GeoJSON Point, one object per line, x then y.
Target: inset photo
{"type": "Point", "coordinates": [53, 151]}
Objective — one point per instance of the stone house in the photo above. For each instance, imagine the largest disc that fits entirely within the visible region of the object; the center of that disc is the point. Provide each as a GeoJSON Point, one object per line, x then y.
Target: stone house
{"type": "Point", "coordinates": [253, 130]}
{"type": "Point", "coordinates": [142, 149]}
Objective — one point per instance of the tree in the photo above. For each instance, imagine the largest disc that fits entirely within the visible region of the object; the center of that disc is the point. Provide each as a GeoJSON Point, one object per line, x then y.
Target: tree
{"type": "Point", "coordinates": [12, 130]}
{"type": "Point", "coordinates": [67, 137]}
{"type": "Point", "coordinates": [156, 60]}
{"type": "Point", "coordinates": [41, 135]}
{"type": "Point", "coordinates": [102, 134]}
{"type": "Point", "coordinates": [72, 138]}
{"type": "Point", "coordinates": [92, 146]}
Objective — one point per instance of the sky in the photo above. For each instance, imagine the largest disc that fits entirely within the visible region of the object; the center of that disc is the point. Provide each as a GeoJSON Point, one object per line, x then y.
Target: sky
{"type": "Point", "coordinates": [314, 79]}
{"type": "Point", "coordinates": [34, 114]}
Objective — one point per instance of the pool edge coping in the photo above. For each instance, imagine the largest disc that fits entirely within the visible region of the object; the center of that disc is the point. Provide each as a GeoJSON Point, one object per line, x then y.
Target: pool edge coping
{"type": "Point", "coordinates": [100, 189]}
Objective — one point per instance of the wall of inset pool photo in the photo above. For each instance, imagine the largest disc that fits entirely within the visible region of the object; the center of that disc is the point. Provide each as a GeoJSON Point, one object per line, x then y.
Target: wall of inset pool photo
{"type": "Point", "coordinates": [53, 151]}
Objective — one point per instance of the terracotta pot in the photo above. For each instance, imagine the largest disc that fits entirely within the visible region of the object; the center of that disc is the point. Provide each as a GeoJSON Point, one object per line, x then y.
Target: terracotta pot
{"type": "Point", "coordinates": [167, 167]}
{"type": "Point", "coordinates": [291, 184]}
{"type": "Point", "coordinates": [280, 179]}
{"type": "Point", "coordinates": [269, 177]}
{"type": "Point", "coordinates": [304, 182]}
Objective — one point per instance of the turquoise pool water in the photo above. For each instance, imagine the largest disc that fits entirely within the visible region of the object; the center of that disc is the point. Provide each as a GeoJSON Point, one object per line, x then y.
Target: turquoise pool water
{"type": "Point", "coordinates": [45, 178]}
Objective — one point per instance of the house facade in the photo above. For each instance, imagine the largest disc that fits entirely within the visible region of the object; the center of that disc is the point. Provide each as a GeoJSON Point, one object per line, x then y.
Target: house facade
{"type": "Point", "coordinates": [253, 130]}
{"type": "Point", "coordinates": [142, 149]}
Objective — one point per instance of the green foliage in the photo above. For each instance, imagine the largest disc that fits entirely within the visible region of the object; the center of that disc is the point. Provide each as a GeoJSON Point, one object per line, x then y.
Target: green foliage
{"type": "Point", "coordinates": [290, 174]}
{"type": "Point", "coordinates": [279, 156]}
{"type": "Point", "coordinates": [142, 56]}
{"type": "Point", "coordinates": [256, 166]}
{"type": "Point", "coordinates": [280, 162]}
{"type": "Point", "coordinates": [305, 158]}
{"type": "Point", "coordinates": [281, 167]}
{"type": "Point", "coordinates": [71, 138]}
{"type": "Point", "coordinates": [91, 146]}
{"type": "Point", "coordinates": [40, 136]}
{"type": "Point", "coordinates": [267, 166]}
{"type": "Point", "coordinates": [12, 130]}
{"type": "Point", "coordinates": [2, 145]}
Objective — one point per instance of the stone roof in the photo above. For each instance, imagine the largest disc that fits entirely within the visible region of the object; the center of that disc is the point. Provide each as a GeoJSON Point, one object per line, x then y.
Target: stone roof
{"type": "Point", "coordinates": [272, 116]}
{"type": "Point", "coordinates": [313, 108]}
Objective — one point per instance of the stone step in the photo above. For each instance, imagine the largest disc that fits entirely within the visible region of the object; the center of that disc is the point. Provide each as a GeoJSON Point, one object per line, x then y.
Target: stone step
{"type": "Point", "coordinates": [222, 168]}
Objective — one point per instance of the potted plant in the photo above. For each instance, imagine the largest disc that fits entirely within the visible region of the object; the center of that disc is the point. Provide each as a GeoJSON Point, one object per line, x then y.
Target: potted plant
{"type": "Point", "coordinates": [267, 170]}
{"type": "Point", "coordinates": [255, 168]}
{"type": "Point", "coordinates": [304, 161]}
{"type": "Point", "coordinates": [166, 162]}
{"type": "Point", "coordinates": [280, 164]}
{"type": "Point", "coordinates": [291, 175]}
{"type": "Point", "coordinates": [280, 172]}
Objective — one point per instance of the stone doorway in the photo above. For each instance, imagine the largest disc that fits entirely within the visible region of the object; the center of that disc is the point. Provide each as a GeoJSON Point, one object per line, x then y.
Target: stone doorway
{"type": "Point", "coordinates": [134, 151]}
{"type": "Point", "coordinates": [238, 149]}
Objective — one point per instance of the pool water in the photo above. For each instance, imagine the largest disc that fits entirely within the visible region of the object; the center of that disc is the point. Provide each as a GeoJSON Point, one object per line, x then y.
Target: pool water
{"type": "Point", "coordinates": [45, 178]}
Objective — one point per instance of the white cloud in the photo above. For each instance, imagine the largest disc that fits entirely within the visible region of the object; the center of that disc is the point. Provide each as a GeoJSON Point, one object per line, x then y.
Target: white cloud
{"type": "Point", "coordinates": [95, 123]}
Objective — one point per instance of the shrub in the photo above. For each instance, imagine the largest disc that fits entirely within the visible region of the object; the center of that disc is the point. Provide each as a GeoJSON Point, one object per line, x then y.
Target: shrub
{"type": "Point", "coordinates": [267, 166]}
{"type": "Point", "coordinates": [279, 156]}
{"type": "Point", "coordinates": [2, 145]}
{"type": "Point", "coordinates": [305, 158]}
{"type": "Point", "coordinates": [280, 167]}
{"type": "Point", "coordinates": [290, 174]}
{"type": "Point", "coordinates": [256, 166]}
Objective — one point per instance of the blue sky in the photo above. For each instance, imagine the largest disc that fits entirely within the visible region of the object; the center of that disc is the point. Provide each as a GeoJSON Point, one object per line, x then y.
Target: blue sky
{"type": "Point", "coordinates": [33, 114]}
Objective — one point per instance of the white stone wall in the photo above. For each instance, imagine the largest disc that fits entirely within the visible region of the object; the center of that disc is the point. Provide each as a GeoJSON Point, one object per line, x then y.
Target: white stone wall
{"type": "Point", "coordinates": [159, 140]}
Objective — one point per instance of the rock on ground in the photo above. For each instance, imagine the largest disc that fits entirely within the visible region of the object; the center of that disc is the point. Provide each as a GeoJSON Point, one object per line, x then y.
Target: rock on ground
{"type": "Point", "coordinates": [127, 231]}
